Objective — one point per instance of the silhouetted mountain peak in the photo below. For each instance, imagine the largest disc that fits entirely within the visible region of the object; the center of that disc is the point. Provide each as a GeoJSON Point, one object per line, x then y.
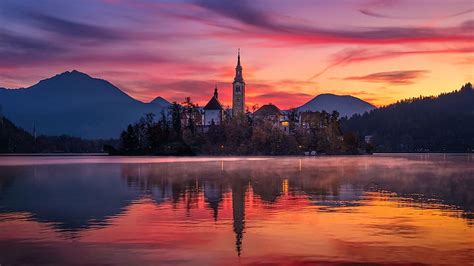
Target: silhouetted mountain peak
{"type": "Point", "coordinates": [346, 105]}
{"type": "Point", "coordinates": [160, 101]}
{"type": "Point", "coordinates": [77, 104]}
{"type": "Point", "coordinates": [79, 87]}
{"type": "Point", "coordinates": [334, 96]}
{"type": "Point", "coordinates": [70, 74]}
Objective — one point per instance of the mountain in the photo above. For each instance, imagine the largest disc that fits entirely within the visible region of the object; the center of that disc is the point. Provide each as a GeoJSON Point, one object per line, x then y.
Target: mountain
{"type": "Point", "coordinates": [346, 105]}
{"type": "Point", "coordinates": [75, 104]}
{"type": "Point", "coordinates": [442, 124]}
{"type": "Point", "coordinates": [160, 101]}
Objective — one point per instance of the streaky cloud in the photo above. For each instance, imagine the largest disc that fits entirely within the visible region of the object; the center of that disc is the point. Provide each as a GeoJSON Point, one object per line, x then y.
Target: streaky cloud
{"type": "Point", "coordinates": [402, 77]}
{"type": "Point", "coordinates": [263, 26]}
{"type": "Point", "coordinates": [371, 13]}
{"type": "Point", "coordinates": [357, 55]}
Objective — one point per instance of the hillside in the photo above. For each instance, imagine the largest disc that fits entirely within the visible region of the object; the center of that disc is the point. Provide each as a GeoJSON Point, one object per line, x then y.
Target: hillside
{"type": "Point", "coordinates": [346, 105]}
{"type": "Point", "coordinates": [442, 123]}
{"type": "Point", "coordinates": [75, 104]}
{"type": "Point", "coordinates": [14, 139]}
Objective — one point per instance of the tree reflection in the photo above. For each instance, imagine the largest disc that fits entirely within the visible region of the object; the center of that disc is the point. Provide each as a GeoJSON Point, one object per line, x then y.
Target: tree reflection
{"type": "Point", "coordinates": [76, 197]}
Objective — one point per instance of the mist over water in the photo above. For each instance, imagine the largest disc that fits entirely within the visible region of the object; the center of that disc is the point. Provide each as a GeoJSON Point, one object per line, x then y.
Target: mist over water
{"type": "Point", "coordinates": [386, 209]}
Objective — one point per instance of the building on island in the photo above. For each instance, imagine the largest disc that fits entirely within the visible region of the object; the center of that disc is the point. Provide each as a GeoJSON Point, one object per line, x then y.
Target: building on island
{"type": "Point", "coordinates": [186, 117]}
{"type": "Point", "coordinates": [238, 90]}
{"type": "Point", "coordinates": [306, 120]}
{"type": "Point", "coordinates": [273, 114]}
{"type": "Point", "coordinates": [368, 139]}
{"type": "Point", "coordinates": [213, 111]}
{"type": "Point", "coordinates": [268, 112]}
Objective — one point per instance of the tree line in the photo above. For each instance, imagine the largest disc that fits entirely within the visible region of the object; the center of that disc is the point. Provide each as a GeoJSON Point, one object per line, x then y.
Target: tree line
{"type": "Point", "coordinates": [444, 123]}
{"type": "Point", "coordinates": [179, 132]}
{"type": "Point", "coordinates": [16, 140]}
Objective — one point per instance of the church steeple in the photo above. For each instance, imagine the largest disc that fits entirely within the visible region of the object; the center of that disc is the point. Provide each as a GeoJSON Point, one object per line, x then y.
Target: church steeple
{"type": "Point", "coordinates": [238, 70]}
{"type": "Point", "coordinates": [216, 94]}
{"type": "Point", "coordinates": [238, 88]}
{"type": "Point", "coordinates": [238, 58]}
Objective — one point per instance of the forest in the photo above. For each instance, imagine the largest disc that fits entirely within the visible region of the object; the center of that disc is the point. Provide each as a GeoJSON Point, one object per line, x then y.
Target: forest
{"type": "Point", "coordinates": [17, 140]}
{"type": "Point", "coordinates": [443, 123]}
{"type": "Point", "coordinates": [239, 135]}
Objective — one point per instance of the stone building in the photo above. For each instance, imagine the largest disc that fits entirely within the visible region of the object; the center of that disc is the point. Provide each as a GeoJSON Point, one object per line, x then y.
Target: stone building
{"type": "Point", "coordinates": [274, 115]}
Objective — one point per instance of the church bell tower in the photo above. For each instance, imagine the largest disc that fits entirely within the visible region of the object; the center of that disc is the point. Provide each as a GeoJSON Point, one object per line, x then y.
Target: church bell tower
{"type": "Point", "coordinates": [238, 90]}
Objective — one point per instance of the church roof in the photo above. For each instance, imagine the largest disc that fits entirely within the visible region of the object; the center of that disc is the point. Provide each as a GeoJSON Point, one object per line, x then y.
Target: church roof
{"type": "Point", "coordinates": [213, 104]}
{"type": "Point", "coordinates": [267, 109]}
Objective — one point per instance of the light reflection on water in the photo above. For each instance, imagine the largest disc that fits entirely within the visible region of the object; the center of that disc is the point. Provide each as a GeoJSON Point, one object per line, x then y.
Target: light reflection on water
{"type": "Point", "coordinates": [378, 209]}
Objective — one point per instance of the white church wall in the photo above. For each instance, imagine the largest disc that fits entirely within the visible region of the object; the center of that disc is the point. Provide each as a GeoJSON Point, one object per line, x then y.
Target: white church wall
{"type": "Point", "coordinates": [210, 115]}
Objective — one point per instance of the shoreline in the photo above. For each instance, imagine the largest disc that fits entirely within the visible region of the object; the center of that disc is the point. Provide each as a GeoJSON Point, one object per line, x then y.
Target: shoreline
{"type": "Point", "coordinates": [225, 155]}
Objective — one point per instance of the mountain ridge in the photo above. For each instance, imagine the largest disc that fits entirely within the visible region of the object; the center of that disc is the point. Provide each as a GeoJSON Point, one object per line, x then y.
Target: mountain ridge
{"type": "Point", "coordinates": [76, 104]}
{"type": "Point", "coordinates": [346, 105]}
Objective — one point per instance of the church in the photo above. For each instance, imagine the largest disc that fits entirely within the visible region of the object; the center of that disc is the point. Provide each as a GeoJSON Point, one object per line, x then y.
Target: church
{"type": "Point", "coordinates": [214, 112]}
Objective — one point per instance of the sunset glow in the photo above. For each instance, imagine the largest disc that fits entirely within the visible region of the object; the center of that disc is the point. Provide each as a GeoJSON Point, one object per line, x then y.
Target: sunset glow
{"type": "Point", "coordinates": [380, 51]}
{"type": "Point", "coordinates": [380, 209]}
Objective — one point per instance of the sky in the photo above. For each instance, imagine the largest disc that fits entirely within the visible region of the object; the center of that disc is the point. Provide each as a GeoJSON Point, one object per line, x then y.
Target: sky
{"type": "Point", "coordinates": [378, 50]}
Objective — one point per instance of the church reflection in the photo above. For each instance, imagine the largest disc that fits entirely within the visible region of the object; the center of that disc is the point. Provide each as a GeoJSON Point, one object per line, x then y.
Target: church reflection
{"type": "Point", "coordinates": [74, 197]}
{"type": "Point", "coordinates": [239, 188]}
{"type": "Point", "coordinates": [213, 194]}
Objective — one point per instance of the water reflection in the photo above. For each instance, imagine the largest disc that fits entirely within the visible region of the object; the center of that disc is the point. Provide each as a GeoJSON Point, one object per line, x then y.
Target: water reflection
{"type": "Point", "coordinates": [283, 202]}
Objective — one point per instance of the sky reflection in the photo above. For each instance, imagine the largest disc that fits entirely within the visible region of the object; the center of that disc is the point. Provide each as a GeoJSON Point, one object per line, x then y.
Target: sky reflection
{"type": "Point", "coordinates": [397, 209]}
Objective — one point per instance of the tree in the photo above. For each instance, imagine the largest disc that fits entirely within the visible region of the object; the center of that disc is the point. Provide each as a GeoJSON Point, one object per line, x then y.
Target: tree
{"type": "Point", "coordinates": [175, 111]}
{"type": "Point", "coordinates": [129, 140]}
{"type": "Point", "coordinates": [440, 124]}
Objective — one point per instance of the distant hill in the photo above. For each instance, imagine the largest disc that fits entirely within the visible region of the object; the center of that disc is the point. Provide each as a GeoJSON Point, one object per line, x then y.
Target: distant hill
{"type": "Point", "coordinates": [75, 104]}
{"type": "Point", "coordinates": [442, 123]}
{"type": "Point", "coordinates": [14, 139]}
{"type": "Point", "coordinates": [346, 105]}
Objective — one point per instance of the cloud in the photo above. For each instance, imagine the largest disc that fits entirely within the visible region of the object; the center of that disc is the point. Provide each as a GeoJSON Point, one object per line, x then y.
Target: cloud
{"type": "Point", "coordinates": [392, 77]}
{"type": "Point", "coordinates": [262, 25]}
{"type": "Point", "coordinates": [19, 51]}
{"type": "Point", "coordinates": [282, 99]}
{"type": "Point", "coordinates": [74, 29]}
{"type": "Point", "coordinates": [357, 55]}
{"type": "Point", "coordinates": [13, 40]}
{"type": "Point", "coordinates": [283, 93]}
{"type": "Point", "coordinates": [15, 48]}
{"type": "Point", "coordinates": [360, 55]}
{"type": "Point", "coordinates": [238, 10]}
{"type": "Point", "coordinates": [342, 58]}
{"type": "Point", "coordinates": [370, 10]}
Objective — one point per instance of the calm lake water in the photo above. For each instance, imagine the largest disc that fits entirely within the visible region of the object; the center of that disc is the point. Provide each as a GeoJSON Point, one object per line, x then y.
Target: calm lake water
{"type": "Point", "coordinates": [384, 209]}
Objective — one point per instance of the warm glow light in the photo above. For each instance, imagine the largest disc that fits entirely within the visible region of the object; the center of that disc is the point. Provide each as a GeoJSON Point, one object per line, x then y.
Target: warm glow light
{"type": "Point", "coordinates": [380, 53]}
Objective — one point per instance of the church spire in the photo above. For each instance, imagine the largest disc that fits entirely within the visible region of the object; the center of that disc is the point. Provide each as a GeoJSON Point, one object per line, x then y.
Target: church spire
{"type": "Point", "coordinates": [238, 58]}
{"type": "Point", "coordinates": [238, 70]}
{"type": "Point", "coordinates": [216, 94]}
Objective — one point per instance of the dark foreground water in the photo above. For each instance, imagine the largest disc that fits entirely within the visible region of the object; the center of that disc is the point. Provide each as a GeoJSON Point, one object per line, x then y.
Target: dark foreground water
{"type": "Point", "coordinates": [206, 211]}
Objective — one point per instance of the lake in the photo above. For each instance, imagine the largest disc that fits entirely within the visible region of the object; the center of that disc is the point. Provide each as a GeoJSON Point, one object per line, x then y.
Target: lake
{"type": "Point", "coordinates": [387, 209]}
